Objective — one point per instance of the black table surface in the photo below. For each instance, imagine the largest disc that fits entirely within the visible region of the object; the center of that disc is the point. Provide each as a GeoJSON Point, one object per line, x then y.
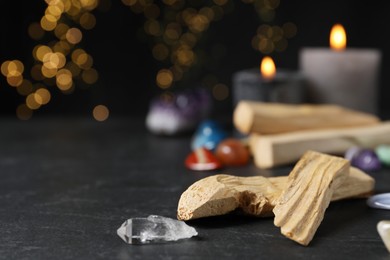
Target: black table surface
{"type": "Point", "coordinates": [66, 185]}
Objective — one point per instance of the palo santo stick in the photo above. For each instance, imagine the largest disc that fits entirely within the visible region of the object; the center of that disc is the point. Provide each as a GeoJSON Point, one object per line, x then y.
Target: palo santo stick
{"type": "Point", "coordinates": [273, 118]}
{"type": "Point", "coordinates": [273, 150]}
{"type": "Point", "coordinates": [220, 194]}
{"type": "Point", "coordinates": [301, 207]}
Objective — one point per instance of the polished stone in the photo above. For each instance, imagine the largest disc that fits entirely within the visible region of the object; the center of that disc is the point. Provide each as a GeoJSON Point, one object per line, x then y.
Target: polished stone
{"type": "Point", "coordinates": [232, 152]}
{"type": "Point", "coordinates": [379, 201]}
{"type": "Point", "coordinates": [208, 134]}
{"type": "Point", "coordinates": [383, 228]}
{"type": "Point", "coordinates": [366, 160]}
{"type": "Point", "coordinates": [383, 153]}
{"type": "Point", "coordinates": [202, 160]}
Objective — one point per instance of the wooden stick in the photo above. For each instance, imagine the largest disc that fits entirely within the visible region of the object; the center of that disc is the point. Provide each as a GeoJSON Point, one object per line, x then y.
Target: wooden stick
{"type": "Point", "coordinates": [273, 118]}
{"type": "Point", "coordinates": [301, 207]}
{"type": "Point", "coordinates": [273, 150]}
{"type": "Point", "coordinates": [220, 194]}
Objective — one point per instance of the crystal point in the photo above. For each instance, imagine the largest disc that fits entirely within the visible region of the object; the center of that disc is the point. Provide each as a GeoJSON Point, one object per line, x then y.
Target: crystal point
{"type": "Point", "coordinates": [154, 229]}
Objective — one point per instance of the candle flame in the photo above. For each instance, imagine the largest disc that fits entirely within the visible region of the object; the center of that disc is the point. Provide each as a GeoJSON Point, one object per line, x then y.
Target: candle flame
{"type": "Point", "coordinates": [338, 38]}
{"type": "Point", "coordinates": [267, 68]}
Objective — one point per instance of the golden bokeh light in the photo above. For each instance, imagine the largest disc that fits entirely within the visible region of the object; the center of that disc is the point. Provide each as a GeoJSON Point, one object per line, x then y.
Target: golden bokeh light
{"type": "Point", "coordinates": [85, 61]}
{"type": "Point", "coordinates": [74, 35]}
{"type": "Point", "coordinates": [35, 31]}
{"type": "Point", "coordinates": [82, 59]}
{"type": "Point", "coordinates": [152, 27]}
{"type": "Point", "coordinates": [73, 68]}
{"type": "Point", "coordinates": [40, 51]}
{"type": "Point", "coordinates": [48, 72]}
{"type": "Point", "coordinates": [173, 31]}
{"type": "Point", "coordinates": [15, 68]}
{"type": "Point", "coordinates": [23, 112]}
{"type": "Point", "coordinates": [89, 4]}
{"type": "Point", "coordinates": [185, 56]}
{"type": "Point", "coordinates": [60, 31]}
{"type": "Point", "coordinates": [64, 79]}
{"type": "Point", "coordinates": [54, 60]}
{"type": "Point", "coordinates": [87, 21]}
{"type": "Point", "coordinates": [90, 76]}
{"type": "Point", "coordinates": [13, 71]}
{"type": "Point", "coordinates": [54, 10]}
{"type": "Point", "coordinates": [164, 78]}
{"type": "Point", "coordinates": [62, 46]}
{"type": "Point", "coordinates": [4, 68]}
{"type": "Point", "coordinates": [31, 101]}
{"type": "Point", "coordinates": [14, 80]}
{"type": "Point", "coordinates": [48, 22]}
{"type": "Point", "coordinates": [44, 96]}
{"type": "Point", "coordinates": [100, 113]}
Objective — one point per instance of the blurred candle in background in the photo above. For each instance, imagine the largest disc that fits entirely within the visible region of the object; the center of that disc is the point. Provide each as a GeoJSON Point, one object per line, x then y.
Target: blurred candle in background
{"type": "Point", "coordinates": [268, 85]}
{"type": "Point", "coordinates": [347, 77]}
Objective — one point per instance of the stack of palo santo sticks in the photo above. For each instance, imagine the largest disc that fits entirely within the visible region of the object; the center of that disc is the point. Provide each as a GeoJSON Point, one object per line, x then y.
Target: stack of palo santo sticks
{"type": "Point", "coordinates": [280, 133]}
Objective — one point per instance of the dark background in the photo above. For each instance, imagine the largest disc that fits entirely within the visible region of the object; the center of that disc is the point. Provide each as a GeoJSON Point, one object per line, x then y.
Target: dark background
{"type": "Point", "coordinates": [127, 68]}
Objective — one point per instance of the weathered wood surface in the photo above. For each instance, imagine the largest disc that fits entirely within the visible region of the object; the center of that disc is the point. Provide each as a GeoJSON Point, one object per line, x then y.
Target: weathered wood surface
{"type": "Point", "coordinates": [301, 207]}
{"type": "Point", "coordinates": [275, 118]}
{"type": "Point", "coordinates": [272, 150]}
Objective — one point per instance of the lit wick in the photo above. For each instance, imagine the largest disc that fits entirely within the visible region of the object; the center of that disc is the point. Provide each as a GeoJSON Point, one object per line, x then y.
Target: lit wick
{"type": "Point", "coordinates": [338, 38]}
{"type": "Point", "coordinates": [267, 68]}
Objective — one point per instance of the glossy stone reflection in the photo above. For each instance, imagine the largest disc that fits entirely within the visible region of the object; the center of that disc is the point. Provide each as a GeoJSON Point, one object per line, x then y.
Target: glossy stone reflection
{"type": "Point", "coordinates": [202, 160]}
{"type": "Point", "coordinates": [383, 153]}
{"type": "Point", "coordinates": [383, 228]}
{"type": "Point", "coordinates": [232, 152]}
{"type": "Point", "coordinates": [366, 160]}
{"type": "Point", "coordinates": [208, 134]}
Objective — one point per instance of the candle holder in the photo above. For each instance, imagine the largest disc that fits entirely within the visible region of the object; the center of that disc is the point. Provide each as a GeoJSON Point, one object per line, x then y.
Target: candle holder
{"type": "Point", "coordinates": [285, 87]}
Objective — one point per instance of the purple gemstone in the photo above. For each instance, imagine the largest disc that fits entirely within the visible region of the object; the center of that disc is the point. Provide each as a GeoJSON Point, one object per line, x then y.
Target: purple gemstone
{"type": "Point", "coordinates": [366, 160]}
{"type": "Point", "coordinates": [178, 113]}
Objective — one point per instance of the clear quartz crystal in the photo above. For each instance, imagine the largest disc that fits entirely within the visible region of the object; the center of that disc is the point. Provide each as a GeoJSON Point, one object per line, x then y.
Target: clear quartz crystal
{"type": "Point", "coordinates": [154, 229]}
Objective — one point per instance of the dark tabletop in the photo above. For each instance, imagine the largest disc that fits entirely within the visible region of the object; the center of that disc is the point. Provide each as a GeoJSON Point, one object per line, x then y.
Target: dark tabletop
{"type": "Point", "coordinates": [67, 185]}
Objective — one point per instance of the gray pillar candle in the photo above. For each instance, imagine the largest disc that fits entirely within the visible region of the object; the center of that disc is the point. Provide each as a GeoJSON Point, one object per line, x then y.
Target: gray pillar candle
{"type": "Point", "coordinates": [285, 87]}
{"type": "Point", "coordinates": [348, 78]}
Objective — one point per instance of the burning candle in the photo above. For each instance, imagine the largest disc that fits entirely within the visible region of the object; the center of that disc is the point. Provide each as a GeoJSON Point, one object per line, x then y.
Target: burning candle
{"type": "Point", "coordinates": [347, 77]}
{"type": "Point", "coordinates": [270, 85]}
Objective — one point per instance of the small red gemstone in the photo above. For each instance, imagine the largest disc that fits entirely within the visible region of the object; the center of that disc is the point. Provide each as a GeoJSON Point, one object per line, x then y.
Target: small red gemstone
{"type": "Point", "coordinates": [202, 160]}
{"type": "Point", "coordinates": [232, 152]}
